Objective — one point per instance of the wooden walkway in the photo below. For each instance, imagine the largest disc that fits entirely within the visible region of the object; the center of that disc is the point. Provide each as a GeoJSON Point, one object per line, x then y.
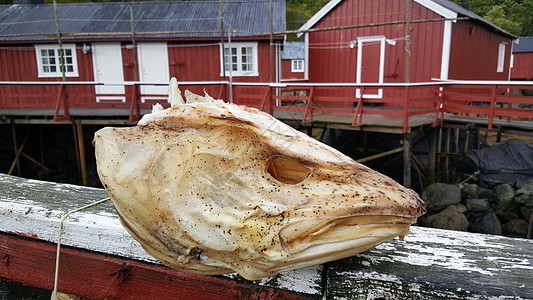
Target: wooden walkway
{"type": "Point", "coordinates": [100, 260]}
{"type": "Point", "coordinates": [373, 123]}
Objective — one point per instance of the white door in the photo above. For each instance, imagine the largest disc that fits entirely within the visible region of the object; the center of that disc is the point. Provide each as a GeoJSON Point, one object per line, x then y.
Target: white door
{"type": "Point", "coordinates": [107, 61]}
{"type": "Point", "coordinates": [370, 65]}
{"type": "Point", "coordinates": [153, 67]}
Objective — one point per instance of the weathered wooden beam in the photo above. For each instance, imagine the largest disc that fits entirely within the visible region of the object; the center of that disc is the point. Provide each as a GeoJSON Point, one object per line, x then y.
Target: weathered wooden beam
{"type": "Point", "coordinates": [31, 208]}
{"type": "Point", "coordinates": [437, 264]}
{"type": "Point", "coordinates": [98, 276]}
{"type": "Point", "coordinates": [380, 155]}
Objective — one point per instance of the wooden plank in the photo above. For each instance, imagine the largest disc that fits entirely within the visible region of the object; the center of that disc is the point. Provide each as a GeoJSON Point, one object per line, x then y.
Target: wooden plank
{"type": "Point", "coordinates": [429, 264]}
{"type": "Point", "coordinates": [97, 276]}
{"type": "Point", "coordinates": [32, 208]}
{"type": "Point", "coordinates": [437, 264]}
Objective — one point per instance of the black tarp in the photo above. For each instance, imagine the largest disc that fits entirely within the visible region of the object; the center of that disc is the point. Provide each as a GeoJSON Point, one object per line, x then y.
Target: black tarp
{"type": "Point", "coordinates": [504, 163]}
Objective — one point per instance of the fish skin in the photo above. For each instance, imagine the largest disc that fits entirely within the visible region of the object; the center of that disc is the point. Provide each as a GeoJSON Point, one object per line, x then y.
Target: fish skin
{"type": "Point", "coordinates": [209, 187]}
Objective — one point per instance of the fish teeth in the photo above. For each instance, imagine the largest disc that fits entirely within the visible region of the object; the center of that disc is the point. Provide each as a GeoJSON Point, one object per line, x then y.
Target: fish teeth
{"type": "Point", "coordinates": [174, 94]}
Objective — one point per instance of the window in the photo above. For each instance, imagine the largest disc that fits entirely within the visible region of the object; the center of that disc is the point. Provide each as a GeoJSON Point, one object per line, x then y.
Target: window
{"type": "Point", "coordinates": [241, 59]}
{"type": "Point", "coordinates": [49, 60]}
{"type": "Point", "coordinates": [297, 65]}
{"type": "Point", "coordinates": [501, 57]}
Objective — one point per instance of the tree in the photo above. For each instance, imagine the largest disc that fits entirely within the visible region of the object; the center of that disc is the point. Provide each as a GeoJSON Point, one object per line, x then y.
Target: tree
{"type": "Point", "coordinates": [514, 16]}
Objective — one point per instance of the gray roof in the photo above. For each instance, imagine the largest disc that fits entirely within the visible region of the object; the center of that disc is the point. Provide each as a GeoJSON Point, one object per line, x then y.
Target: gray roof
{"type": "Point", "coordinates": [465, 12]}
{"type": "Point", "coordinates": [293, 50]}
{"type": "Point", "coordinates": [248, 17]}
{"type": "Point", "coordinates": [525, 44]}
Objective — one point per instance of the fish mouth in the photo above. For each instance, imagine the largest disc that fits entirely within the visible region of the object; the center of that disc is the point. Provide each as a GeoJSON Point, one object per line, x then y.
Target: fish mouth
{"type": "Point", "coordinates": [320, 241]}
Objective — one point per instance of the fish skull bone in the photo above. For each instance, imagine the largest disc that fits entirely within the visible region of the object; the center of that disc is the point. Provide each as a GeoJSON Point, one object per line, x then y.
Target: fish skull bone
{"type": "Point", "coordinates": [209, 187]}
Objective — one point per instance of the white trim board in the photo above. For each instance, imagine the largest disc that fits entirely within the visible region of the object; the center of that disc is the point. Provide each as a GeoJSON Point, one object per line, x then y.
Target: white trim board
{"type": "Point", "coordinates": [318, 16]}
{"type": "Point", "coordinates": [438, 9]}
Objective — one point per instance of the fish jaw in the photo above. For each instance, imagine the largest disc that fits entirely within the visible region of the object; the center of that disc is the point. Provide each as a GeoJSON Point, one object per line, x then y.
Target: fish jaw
{"type": "Point", "coordinates": [212, 188]}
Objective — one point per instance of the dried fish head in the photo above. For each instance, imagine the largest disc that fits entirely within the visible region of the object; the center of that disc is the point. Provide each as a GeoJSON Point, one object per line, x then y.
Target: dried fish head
{"type": "Point", "coordinates": [209, 187]}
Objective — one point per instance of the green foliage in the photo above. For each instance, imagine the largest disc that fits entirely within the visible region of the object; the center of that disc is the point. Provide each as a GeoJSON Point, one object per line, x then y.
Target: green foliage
{"type": "Point", "coordinates": [299, 11]}
{"type": "Point", "coordinates": [515, 16]}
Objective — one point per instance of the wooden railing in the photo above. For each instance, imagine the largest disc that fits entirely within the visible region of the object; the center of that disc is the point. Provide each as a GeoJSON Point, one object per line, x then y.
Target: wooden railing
{"type": "Point", "coordinates": [481, 99]}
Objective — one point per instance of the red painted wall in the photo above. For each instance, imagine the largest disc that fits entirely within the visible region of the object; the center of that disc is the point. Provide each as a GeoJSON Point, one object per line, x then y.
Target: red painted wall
{"type": "Point", "coordinates": [286, 73]}
{"type": "Point", "coordinates": [19, 63]}
{"type": "Point", "coordinates": [474, 53]}
{"type": "Point", "coordinates": [331, 59]}
{"type": "Point", "coordinates": [201, 62]}
{"type": "Point", "coordinates": [522, 66]}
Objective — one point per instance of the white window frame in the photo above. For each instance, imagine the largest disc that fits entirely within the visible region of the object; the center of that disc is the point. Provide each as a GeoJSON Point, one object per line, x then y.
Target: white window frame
{"type": "Point", "coordinates": [501, 57]}
{"type": "Point", "coordinates": [239, 71]}
{"type": "Point", "coordinates": [297, 65]}
{"type": "Point", "coordinates": [57, 73]}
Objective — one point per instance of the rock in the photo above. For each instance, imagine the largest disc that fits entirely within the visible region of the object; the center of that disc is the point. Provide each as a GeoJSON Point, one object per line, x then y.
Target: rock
{"type": "Point", "coordinates": [506, 215]}
{"type": "Point", "coordinates": [524, 187]}
{"type": "Point", "coordinates": [524, 199]}
{"type": "Point", "coordinates": [516, 228]}
{"type": "Point", "coordinates": [488, 223]}
{"type": "Point", "coordinates": [470, 191]}
{"type": "Point", "coordinates": [461, 208]}
{"type": "Point", "coordinates": [450, 218]}
{"type": "Point", "coordinates": [487, 194]}
{"type": "Point", "coordinates": [526, 211]}
{"type": "Point", "coordinates": [505, 194]}
{"type": "Point", "coordinates": [524, 184]}
{"type": "Point", "coordinates": [477, 205]}
{"type": "Point", "coordinates": [438, 196]}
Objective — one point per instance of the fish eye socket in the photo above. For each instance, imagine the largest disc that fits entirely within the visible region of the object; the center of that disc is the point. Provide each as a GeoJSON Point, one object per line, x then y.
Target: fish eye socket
{"type": "Point", "coordinates": [287, 170]}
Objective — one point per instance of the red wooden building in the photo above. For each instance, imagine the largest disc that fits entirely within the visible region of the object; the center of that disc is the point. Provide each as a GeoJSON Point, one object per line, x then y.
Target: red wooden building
{"type": "Point", "coordinates": [293, 61]}
{"type": "Point", "coordinates": [181, 39]}
{"type": "Point", "coordinates": [465, 47]}
{"type": "Point", "coordinates": [522, 68]}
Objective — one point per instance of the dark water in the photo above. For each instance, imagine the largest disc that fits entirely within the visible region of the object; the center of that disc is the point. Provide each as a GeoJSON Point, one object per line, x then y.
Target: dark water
{"type": "Point", "coordinates": [10, 290]}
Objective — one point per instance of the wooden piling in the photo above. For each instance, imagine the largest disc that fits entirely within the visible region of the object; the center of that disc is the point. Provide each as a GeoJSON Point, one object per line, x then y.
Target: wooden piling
{"type": "Point", "coordinates": [432, 154]}
{"type": "Point", "coordinates": [407, 160]}
{"type": "Point", "coordinates": [82, 152]}
{"type": "Point", "coordinates": [15, 146]}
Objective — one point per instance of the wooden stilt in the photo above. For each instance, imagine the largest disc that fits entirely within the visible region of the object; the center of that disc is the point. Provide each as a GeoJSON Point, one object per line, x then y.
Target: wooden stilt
{"type": "Point", "coordinates": [447, 157]}
{"type": "Point", "coordinates": [77, 148]}
{"type": "Point", "coordinates": [467, 140]}
{"type": "Point", "coordinates": [82, 152]}
{"type": "Point", "coordinates": [364, 141]}
{"type": "Point", "coordinates": [432, 155]}
{"type": "Point", "coordinates": [15, 146]}
{"type": "Point", "coordinates": [407, 160]}
{"type": "Point", "coordinates": [455, 157]}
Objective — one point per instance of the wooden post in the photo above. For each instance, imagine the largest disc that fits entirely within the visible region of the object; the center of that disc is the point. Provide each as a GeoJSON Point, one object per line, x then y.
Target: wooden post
{"type": "Point", "coordinates": [447, 155]}
{"type": "Point", "coordinates": [222, 40]}
{"type": "Point", "coordinates": [432, 155]}
{"type": "Point", "coordinates": [407, 42]}
{"type": "Point", "coordinates": [82, 152]}
{"type": "Point", "coordinates": [135, 65]}
{"type": "Point", "coordinates": [77, 149]}
{"type": "Point", "coordinates": [407, 160]}
{"type": "Point", "coordinates": [271, 42]}
{"type": "Point", "coordinates": [15, 146]}
{"type": "Point", "coordinates": [59, 42]}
